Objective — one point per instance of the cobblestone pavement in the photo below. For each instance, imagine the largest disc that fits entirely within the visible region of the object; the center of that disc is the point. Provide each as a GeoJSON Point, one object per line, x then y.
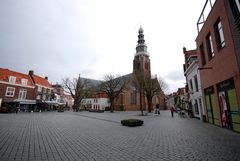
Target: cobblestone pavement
{"type": "Point", "coordinates": [89, 136]}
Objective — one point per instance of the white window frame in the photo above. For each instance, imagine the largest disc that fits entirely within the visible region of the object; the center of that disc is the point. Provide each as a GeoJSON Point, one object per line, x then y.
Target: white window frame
{"type": "Point", "coordinates": [12, 79]}
{"type": "Point", "coordinates": [39, 89]}
{"type": "Point", "coordinates": [211, 53]}
{"type": "Point", "coordinates": [24, 82]}
{"type": "Point", "coordinates": [22, 94]}
{"type": "Point", "coordinates": [10, 93]}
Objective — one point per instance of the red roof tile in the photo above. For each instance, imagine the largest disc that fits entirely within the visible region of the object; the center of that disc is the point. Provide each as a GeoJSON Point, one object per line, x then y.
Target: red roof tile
{"type": "Point", "coordinates": [5, 73]}
{"type": "Point", "coordinates": [41, 81]}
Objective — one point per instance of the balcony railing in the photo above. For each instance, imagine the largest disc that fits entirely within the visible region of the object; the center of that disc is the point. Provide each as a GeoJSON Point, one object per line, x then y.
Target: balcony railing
{"type": "Point", "coordinates": [204, 14]}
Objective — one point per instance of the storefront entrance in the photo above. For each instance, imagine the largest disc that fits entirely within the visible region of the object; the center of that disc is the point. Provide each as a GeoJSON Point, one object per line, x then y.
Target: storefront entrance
{"type": "Point", "coordinates": [230, 115]}
{"type": "Point", "coordinates": [211, 105]}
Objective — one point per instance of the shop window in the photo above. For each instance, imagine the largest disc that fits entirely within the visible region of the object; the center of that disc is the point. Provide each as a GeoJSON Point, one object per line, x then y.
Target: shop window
{"type": "Point", "coordinates": [219, 34]}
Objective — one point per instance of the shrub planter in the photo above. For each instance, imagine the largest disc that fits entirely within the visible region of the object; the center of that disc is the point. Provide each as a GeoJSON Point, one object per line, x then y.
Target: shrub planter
{"type": "Point", "coordinates": [132, 122]}
{"type": "Point", "coordinates": [98, 111]}
{"type": "Point", "coordinates": [60, 110]}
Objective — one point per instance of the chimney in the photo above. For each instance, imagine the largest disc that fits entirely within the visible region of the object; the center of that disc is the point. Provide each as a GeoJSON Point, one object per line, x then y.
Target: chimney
{"type": "Point", "coordinates": [46, 78]}
{"type": "Point", "coordinates": [184, 49]}
{"type": "Point", "coordinates": [30, 72]}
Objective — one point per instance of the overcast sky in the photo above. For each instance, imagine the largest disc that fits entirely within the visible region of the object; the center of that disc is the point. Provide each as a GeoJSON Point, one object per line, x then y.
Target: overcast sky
{"type": "Point", "coordinates": [64, 38]}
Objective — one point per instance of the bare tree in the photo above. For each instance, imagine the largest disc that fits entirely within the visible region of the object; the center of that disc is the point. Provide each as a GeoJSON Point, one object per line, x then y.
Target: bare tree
{"type": "Point", "coordinates": [151, 88]}
{"type": "Point", "coordinates": [139, 84]}
{"type": "Point", "coordinates": [163, 84]}
{"type": "Point", "coordinates": [112, 86]}
{"type": "Point", "coordinates": [77, 87]}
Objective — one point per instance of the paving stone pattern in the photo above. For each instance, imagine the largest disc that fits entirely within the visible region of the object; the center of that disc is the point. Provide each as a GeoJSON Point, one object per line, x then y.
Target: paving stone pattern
{"type": "Point", "coordinates": [68, 136]}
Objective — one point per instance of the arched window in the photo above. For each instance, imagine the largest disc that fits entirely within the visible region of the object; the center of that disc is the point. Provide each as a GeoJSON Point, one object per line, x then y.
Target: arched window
{"type": "Point", "coordinates": [133, 95]}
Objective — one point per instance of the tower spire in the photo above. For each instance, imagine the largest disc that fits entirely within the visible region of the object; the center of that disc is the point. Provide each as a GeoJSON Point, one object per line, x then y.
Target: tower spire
{"type": "Point", "coordinates": [141, 48]}
{"type": "Point", "coordinates": [141, 62]}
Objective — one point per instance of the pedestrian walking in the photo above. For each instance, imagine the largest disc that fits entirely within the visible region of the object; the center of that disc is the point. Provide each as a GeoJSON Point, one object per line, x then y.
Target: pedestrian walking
{"type": "Point", "coordinates": [172, 111]}
{"type": "Point", "coordinates": [157, 109]}
{"type": "Point", "coordinates": [17, 109]}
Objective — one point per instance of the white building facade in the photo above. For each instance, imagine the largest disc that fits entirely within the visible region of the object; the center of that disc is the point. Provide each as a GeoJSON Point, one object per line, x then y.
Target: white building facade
{"type": "Point", "coordinates": [98, 104]}
{"type": "Point", "coordinates": [192, 74]}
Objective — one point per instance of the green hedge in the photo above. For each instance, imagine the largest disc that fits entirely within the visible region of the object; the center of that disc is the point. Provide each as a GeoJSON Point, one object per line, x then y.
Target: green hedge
{"type": "Point", "coordinates": [132, 122]}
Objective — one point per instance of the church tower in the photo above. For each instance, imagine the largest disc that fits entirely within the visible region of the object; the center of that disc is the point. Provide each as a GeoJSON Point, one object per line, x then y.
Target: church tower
{"type": "Point", "coordinates": [141, 62]}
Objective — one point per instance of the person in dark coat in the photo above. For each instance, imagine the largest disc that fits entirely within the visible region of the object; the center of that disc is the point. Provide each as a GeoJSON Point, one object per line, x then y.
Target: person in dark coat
{"type": "Point", "coordinates": [17, 109]}
{"type": "Point", "coordinates": [172, 111]}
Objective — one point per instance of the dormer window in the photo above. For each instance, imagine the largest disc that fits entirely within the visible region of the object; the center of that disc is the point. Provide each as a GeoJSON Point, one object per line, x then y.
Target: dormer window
{"type": "Point", "coordinates": [12, 79]}
{"type": "Point", "coordinates": [24, 82]}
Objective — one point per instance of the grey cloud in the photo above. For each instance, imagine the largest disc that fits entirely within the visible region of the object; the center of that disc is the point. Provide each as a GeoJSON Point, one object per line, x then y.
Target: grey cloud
{"type": "Point", "coordinates": [176, 75]}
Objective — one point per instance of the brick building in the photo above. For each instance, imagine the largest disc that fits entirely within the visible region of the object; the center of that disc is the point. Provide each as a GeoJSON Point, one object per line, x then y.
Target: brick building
{"type": "Point", "coordinates": [218, 49]}
{"type": "Point", "coordinates": [43, 92]}
{"type": "Point", "coordinates": [16, 89]}
{"type": "Point", "coordinates": [27, 91]}
{"type": "Point", "coordinates": [129, 99]}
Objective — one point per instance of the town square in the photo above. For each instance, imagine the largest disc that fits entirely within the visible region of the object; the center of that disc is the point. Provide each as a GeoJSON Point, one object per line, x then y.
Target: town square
{"type": "Point", "coordinates": [119, 80]}
{"type": "Point", "coordinates": [92, 136]}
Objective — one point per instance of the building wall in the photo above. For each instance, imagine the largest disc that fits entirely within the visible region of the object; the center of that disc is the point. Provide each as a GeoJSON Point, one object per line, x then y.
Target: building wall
{"type": "Point", "coordinates": [195, 95]}
{"type": "Point", "coordinates": [225, 59]}
{"type": "Point", "coordinates": [235, 30]}
{"type": "Point", "coordinates": [3, 88]}
{"type": "Point", "coordinates": [224, 72]}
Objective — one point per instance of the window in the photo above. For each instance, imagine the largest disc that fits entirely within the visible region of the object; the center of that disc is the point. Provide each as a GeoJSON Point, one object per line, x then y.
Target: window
{"type": "Point", "coordinates": [24, 82]}
{"type": "Point", "coordinates": [196, 107]}
{"type": "Point", "coordinates": [200, 103]}
{"type": "Point", "coordinates": [146, 66]}
{"type": "Point", "coordinates": [10, 92]}
{"type": "Point", "coordinates": [38, 97]}
{"type": "Point", "coordinates": [196, 83]}
{"type": "Point", "coordinates": [191, 85]}
{"type": "Point", "coordinates": [133, 96]}
{"type": "Point", "coordinates": [12, 79]}
{"type": "Point", "coordinates": [238, 5]}
{"type": "Point", "coordinates": [210, 47]}
{"type": "Point", "coordinates": [39, 89]}
{"type": "Point", "coordinates": [219, 34]}
{"type": "Point", "coordinates": [235, 6]}
{"type": "Point", "coordinates": [202, 53]}
{"type": "Point", "coordinates": [22, 94]}
{"type": "Point", "coordinates": [44, 90]}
